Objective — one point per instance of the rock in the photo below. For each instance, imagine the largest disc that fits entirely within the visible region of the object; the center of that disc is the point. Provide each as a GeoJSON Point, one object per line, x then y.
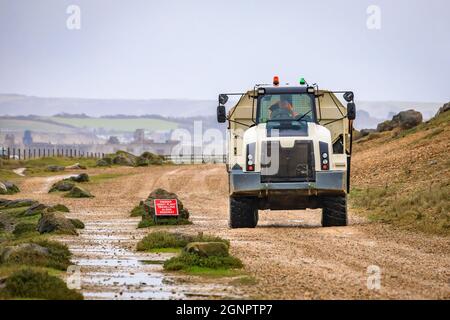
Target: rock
{"type": "Point", "coordinates": [385, 126]}
{"type": "Point", "coordinates": [78, 224]}
{"type": "Point", "coordinates": [7, 187]}
{"type": "Point", "coordinates": [404, 120]}
{"type": "Point", "coordinates": [63, 185]}
{"type": "Point", "coordinates": [142, 162]}
{"type": "Point", "coordinates": [82, 177]}
{"type": "Point", "coordinates": [8, 254]}
{"type": "Point", "coordinates": [432, 162]}
{"type": "Point", "coordinates": [123, 161]}
{"type": "Point", "coordinates": [149, 204]}
{"type": "Point", "coordinates": [102, 163]}
{"type": "Point", "coordinates": [18, 203]}
{"type": "Point", "coordinates": [55, 222]}
{"type": "Point", "coordinates": [78, 192]}
{"type": "Point", "coordinates": [35, 209]}
{"type": "Point", "coordinates": [443, 109]}
{"type": "Point", "coordinates": [58, 207]}
{"type": "Point", "coordinates": [4, 202]}
{"type": "Point", "coordinates": [408, 119]}
{"type": "Point", "coordinates": [54, 168]}
{"type": "Point", "coordinates": [152, 158]}
{"type": "Point", "coordinates": [76, 166]}
{"type": "Point", "coordinates": [3, 189]}
{"type": "Point", "coordinates": [366, 132]}
{"type": "Point", "coordinates": [207, 249]}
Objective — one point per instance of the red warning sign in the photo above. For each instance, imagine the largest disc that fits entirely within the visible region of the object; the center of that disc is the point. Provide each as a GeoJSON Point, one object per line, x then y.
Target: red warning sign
{"type": "Point", "coordinates": [166, 207]}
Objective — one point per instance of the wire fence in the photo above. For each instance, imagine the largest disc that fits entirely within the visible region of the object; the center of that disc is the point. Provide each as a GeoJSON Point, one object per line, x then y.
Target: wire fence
{"type": "Point", "coordinates": [202, 158]}
{"type": "Point", "coordinates": [34, 153]}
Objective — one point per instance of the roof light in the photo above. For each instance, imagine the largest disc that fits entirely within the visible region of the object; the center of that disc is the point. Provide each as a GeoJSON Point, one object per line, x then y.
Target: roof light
{"type": "Point", "coordinates": [302, 81]}
{"type": "Point", "coordinates": [276, 81]}
{"type": "Point", "coordinates": [310, 90]}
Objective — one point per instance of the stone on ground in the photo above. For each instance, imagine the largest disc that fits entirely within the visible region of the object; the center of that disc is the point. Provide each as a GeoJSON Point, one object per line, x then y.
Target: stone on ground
{"type": "Point", "coordinates": [63, 185]}
{"type": "Point", "coordinates": [78, 192]}
{"type": "Point", "coordinates": [149, 204]}
{"type": "Point", "coordinates": [55, 222]}
{"type": "Point", "coordinates": [207, 249]}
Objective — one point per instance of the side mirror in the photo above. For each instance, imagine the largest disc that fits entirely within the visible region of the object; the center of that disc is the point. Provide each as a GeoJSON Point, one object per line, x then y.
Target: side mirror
{"type": "Point", "coordinates": [221, 114]}
{"type": "Point", "coordinates": [348, 96]}
{"type": "Point", "coordinates": [223, 98]}
{"type": "Point", "coordinates": [351, 111]}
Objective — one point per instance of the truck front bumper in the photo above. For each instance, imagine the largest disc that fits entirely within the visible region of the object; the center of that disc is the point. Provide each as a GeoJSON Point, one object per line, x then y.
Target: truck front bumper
{"type": "Point", "coordinates": [249, 183]}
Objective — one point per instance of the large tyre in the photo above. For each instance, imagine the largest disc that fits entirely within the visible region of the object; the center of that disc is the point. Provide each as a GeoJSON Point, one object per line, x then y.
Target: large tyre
{"type": "Point", "coordinates": [243, 213]}
{"type": "Point", "coordinates": [334, 211]}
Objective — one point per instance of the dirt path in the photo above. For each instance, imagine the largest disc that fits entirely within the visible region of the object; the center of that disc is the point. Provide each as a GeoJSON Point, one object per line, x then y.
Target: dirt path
{"type": "Point", "coordinates": [289, 254]}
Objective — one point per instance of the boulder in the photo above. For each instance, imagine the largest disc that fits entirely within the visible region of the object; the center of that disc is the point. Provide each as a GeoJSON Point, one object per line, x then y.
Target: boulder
{"type": "Point", "coordinates": [102, 163]}
{"type": "Point", "coordinates": [82, 177]}
{"type": "Point", "coordinates": [9, 254]}
{"type": "Point", "coordinates": [54, 168]}
{"type": "Point", "coordinates": [7, 187]}
{"type": "Point", "coordinates": [78, 192]}
{"type": "Point", "coordinates": [77, 223]}
{"type": "Point", "coordinates": [207, 249]}
{"type": "Point", "coordinates": [122, 160]}
{"type": "Point", "coordinates": [366, 132]}
{"type": "Point", "coordinates": [407, 119]}
{"type": "Point", "coordinates": [35, 209]}
{"type": "Point", "coordinates": [76, 166]}
{"type": "Point", "coordinates": [58, 207]}
{"type": "Point", "coordinates": [63, 185]}
{"type": "Point", "coordinates": [385, 126]}
{"type": "Point", "coordinates": [55, 222]}
{"type": "Point", "coordinates": [3, 189]}
{"type": "Point", "coordinates": [152, 158]}
{"type": "Point", "coordinates": [443, 109]}
{"type": "Point", "coordinates": [142, 162]}
{"type": "Point", "coordinates": [18, 203]}
{"type": "Point", "coordinates": [149, 204]}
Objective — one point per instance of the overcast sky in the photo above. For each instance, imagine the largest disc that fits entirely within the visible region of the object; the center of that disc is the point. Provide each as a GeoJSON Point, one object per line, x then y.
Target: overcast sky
{"type": "Point", "coordinates": [196, 49]}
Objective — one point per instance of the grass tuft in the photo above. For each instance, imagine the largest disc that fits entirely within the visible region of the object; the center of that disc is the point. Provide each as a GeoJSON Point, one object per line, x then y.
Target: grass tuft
{"type": "Point", "coordinates": [164, 239]}
{"type": "Point", "coordinates": [33, 284]}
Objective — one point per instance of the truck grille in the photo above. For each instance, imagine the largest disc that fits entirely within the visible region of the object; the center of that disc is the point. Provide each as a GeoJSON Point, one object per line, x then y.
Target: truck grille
{"type": "Point", "coordinates": [296, 164]}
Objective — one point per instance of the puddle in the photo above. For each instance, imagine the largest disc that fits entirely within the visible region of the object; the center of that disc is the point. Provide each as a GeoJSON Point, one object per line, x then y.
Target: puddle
{"type": "Point", "coordinates": [111, 269]}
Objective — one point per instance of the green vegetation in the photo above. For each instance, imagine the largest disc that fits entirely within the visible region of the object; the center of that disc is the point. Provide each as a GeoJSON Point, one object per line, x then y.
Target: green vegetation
{"type": "Point", "coordinates": [190, 262]}
{"type": "Point", "coordinates": [118, 125]}
{"type": "Point", "coordinates": [426, 209]}
{"type": "Point", "coordinates": [34, 125]}
{"type": "Point", "coordinates": [36, 284]}
{"type": "Point", "coordinates": [147, 222]}
{"type": "Point", "coordinates": [39, 166]}
{"type": "Point", "coordinates": [24, 227]}
{"type": "Point", "coordinates": [164, 239]}
{"type": "Point", "coordinates": [99, 178]}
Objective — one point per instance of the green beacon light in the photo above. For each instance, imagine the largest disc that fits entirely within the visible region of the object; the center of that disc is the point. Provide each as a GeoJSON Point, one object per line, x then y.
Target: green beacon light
{"type": "Point", "coordinates": [302, 81]}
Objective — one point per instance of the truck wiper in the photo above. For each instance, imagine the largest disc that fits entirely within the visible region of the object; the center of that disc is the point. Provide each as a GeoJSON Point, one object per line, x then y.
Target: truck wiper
{"type": "Point", "coordinates": [304, 115]}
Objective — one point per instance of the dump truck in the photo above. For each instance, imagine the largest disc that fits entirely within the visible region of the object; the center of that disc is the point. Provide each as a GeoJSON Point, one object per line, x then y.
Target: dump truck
{"type": "Point", "coordinates": [289, 148]}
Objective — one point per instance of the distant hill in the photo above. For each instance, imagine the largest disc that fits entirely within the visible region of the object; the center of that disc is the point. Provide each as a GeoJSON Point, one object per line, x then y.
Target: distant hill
{"type": "Point", "coordinates": [67, 110]}
{"type": "Point", "coordinates": [24, 105]}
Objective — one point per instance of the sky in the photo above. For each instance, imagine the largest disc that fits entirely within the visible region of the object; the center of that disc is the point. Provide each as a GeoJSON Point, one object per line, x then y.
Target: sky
{"type": "Point", "coordinates": [195, 49]}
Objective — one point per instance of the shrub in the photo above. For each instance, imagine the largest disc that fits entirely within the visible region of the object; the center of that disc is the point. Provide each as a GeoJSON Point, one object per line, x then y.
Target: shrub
{"type": "Point", "coordinates": [24, 227]}
{"type": "Point", "coordinates": [32, 284]}
{"type": "Point", "coordinates": [187, 260]}
{"type": "Point", "coordinates": [164, 239]}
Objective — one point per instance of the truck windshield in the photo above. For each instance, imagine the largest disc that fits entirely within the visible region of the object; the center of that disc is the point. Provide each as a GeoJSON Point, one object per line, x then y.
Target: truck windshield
{"type": "Point", "coordinates": [286, 106]}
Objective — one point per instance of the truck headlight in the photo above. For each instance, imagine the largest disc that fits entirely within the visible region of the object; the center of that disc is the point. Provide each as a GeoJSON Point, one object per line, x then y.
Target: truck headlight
{"type": "Point", "coordinates": [250, 156]}
{"type": "Point", "coordinates": [323, 146]}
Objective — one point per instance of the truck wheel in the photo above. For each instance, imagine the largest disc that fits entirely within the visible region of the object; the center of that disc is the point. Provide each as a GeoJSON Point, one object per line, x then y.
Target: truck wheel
{"type": "Point", "coordinates": [243, 213]}
{"type": "Point", "coordinates": [334, 212]}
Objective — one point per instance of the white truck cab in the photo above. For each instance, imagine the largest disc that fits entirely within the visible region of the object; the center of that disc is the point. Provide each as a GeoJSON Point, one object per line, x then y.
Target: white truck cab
{"type": "Point", "coordinates": [289, 148]}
